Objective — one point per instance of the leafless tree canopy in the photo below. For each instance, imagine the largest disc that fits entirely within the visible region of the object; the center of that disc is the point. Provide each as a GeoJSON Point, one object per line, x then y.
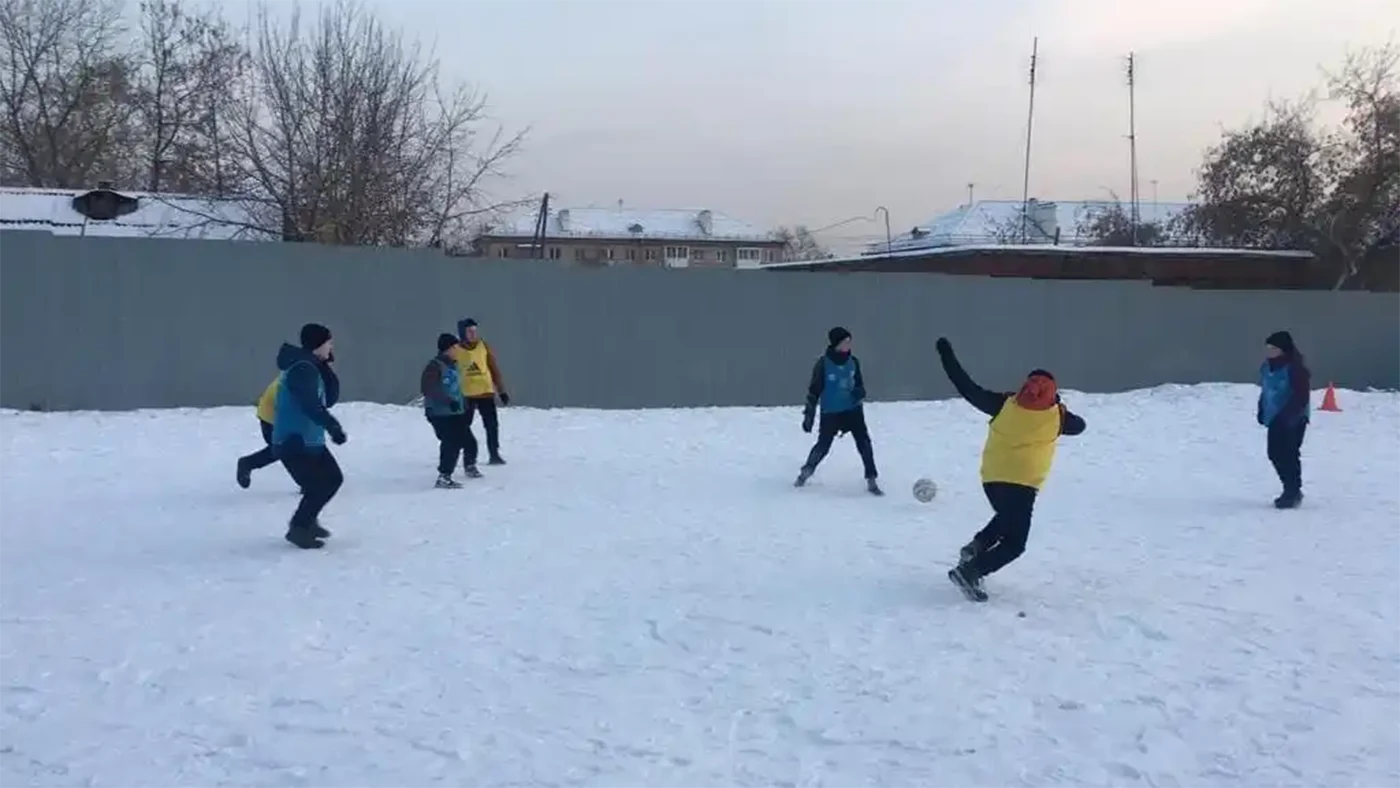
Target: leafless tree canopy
{"type": "Point", "coordinates": [1285, 183]}
{"type": "Point", "coordinates": [800, 244]}
{"type": "Point", "coordinates": [328, 127]}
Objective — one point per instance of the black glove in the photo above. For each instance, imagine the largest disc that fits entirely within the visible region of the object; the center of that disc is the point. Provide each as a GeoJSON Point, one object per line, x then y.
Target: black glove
{"type": "Point", "coordinates": [336, 432]}
{"type": "Point", "coordinates": [455, 407]}
{"type": "Point", "coordinates": [807, 419]}
{"type": "Point", "coordinates": [944, 346]}
{"type": "Point", "coordinates": [505, 399]}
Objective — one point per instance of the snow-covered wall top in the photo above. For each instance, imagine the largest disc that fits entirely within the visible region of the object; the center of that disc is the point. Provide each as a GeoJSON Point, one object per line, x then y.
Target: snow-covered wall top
{"type": "Point", "coordinates": [629, 223]}
{"type": "Point", "coordinates": [156, 216]}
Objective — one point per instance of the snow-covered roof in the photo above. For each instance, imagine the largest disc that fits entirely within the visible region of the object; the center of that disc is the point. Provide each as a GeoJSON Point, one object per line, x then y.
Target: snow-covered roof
{"type": "Point", "coordinates": [987, 222]}
{"type": "Point", "coordinates": [1040, 249]}
{"type": "Point", "coordinates": [669, 224]}
{"type": "Point", "coordinates": [156, 216]}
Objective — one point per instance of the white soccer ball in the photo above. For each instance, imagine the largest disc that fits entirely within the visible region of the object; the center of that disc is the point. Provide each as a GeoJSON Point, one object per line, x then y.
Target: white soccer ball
{"type": "Point", "coordinates": [925, 490]}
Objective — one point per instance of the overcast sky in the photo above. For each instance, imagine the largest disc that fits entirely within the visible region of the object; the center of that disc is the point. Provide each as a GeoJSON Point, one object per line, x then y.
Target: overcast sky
{"type": "Point", "coordinates": [803, 111]}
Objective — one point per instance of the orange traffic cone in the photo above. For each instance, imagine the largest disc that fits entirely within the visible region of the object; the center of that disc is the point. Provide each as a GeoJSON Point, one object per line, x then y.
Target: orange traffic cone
{"type": "Point", "coordinates": [1329, 400]}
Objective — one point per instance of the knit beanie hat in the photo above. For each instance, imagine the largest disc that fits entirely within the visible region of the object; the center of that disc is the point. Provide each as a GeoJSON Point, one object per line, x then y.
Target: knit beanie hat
{"type": "Point", "coordinates": [1283, 341]}
{"type": "Point", "coordinates": [314, 335]}
{"type": "Point", "coordinates": [445, 341]}
{"type": "Point", "coordinates": [836, 336]}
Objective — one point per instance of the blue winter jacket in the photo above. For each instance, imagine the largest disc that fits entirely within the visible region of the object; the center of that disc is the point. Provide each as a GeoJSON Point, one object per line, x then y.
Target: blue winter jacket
{"type": "Point", "coordinates": [1284, 393]}
{"type": "Point", "coordinates": [836, 384]}
{"type": "Point", "coordinates": [302, 417]}
{"type": "Point", "coordinates": [442, 387]}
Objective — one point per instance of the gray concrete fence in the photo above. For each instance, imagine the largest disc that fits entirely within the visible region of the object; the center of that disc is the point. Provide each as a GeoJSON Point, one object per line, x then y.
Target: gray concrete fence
{"type": "Point", "coordinates": [114, 324]}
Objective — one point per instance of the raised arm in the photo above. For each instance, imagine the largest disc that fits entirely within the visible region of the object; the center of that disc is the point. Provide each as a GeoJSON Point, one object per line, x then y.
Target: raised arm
{"type": "Point", "coordinates": [989, 402]}
{"type": "Point", "coordinates": [331, 381]}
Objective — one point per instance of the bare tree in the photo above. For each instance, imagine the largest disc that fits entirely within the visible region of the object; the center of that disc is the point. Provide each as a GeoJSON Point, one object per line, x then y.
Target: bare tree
{"type": "Point", "coordinates": [800, 244]}
{"type": "Point", "coordinates": [188, 64]}
{"type": "Point", "coordinates": [1364, 209]}
{"type": "Point", "coordinates": [1284, 183]}
{"type": "Point", "coordinates": [1112, 225]}
{"type": "Point", "coordinates": [65, 93]}
{"type": "Point", "coordinates": [347, 135]}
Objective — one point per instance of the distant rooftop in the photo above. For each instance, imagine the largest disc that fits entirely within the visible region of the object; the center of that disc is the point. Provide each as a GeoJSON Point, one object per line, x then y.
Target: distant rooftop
{"type": "Point", "coordinates": [631, 224]}
{"type": "Point", "coordinates": [988, 222]}
{"type": "Point", "coordinates": [156, 216]}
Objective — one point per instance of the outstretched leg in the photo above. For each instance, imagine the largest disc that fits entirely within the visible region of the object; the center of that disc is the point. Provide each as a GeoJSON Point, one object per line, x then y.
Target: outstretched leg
{"type": "Point", "coordinates": [826, 433]}
{"type": "Point", "coordinates": [259, 459]}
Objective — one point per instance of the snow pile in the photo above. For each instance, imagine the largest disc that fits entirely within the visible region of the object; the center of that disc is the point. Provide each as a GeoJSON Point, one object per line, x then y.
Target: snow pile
{"type": "Point", "coordinates": [641, 598]}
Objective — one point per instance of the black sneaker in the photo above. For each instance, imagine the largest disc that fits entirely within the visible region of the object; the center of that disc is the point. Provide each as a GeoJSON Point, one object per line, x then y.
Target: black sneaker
{"type": "Point", "coordinates": [496, 459]}
{"type": "Point", "coordinates": [873, 488]}
{"type": "Point", "coordinates": [245, 474]}
{"type": "Point", "coordinates": [967, 579]}
{"type": "Point", "coordinates": [471, 472]}
{"type": "Point", "coordinates": [445, 482]}
{"type": "Point", "coordinates": [319, 532]}
{"type": "Point", "coordinates": [1289, 500]}
{"type": "Point", "coordinates": [802, 477]}
{"type": "Point", "coordinates": [303, 538]}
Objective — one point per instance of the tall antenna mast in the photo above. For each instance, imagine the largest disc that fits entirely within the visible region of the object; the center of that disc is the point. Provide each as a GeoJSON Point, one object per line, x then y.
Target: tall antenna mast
{"type": "Point", "coordinates": [1030, 120]}
{"type": "Point", "coordinates": [1135, 215]}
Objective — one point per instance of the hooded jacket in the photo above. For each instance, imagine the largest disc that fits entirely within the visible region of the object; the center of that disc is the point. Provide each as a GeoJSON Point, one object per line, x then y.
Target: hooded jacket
{"type": "Point", "coordinates": [301, 417]}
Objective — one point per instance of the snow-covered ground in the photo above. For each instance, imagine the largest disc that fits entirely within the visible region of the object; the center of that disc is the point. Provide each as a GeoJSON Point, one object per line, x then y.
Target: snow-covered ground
{"type": "Point", "coordinates": [642, 598]}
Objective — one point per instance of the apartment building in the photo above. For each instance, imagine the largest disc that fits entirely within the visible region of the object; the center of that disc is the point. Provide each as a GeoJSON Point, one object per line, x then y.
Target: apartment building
{"type": "Point", "coordinates": [623, 236]}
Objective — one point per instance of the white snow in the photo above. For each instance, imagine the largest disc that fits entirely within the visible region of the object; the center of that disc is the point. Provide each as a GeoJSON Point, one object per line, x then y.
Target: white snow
{"type": "Point", "coordinates": [660, 224]}
{"type": "Point", "coordinates": [641, 598]}
{"type": "Point", "coordinates": [984, 222]}
{"type": "Point", "coordinates": [156, 216]}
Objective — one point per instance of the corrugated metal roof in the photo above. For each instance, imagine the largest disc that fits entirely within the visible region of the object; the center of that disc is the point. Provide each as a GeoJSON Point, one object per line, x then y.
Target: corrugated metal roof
{"type": "Point", "coordinates": [156, 216]}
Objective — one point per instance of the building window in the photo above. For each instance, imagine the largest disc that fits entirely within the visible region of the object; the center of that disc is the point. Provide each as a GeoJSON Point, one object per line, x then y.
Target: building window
{"type": "Point", "coordinates": [697, 254]}
{"type": "Point", "coordinates": [767, 255]}
{"type": "Point", "coordinates": [503, 251]}
{"type": "Point", "coordinates": [555, 253]}
{"type": "Point", "coordinates": [750, 255]}
{"type": "Point", "coordinates": [578, 254]}
{"type": "Point", "coordinates": [677, 253]}
{"type": "Point", "coordinates": [722, 255]}
{"type": "Point", "coordinates": [631, 254]}
{"type": "Point", "coordinates": [608, 253]}
{"type": "Point", "coordinates": [650, 254]}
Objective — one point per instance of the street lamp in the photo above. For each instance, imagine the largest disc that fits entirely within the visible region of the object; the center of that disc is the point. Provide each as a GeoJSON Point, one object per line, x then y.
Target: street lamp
{"type": "Point", "coordinates": [889, 242]}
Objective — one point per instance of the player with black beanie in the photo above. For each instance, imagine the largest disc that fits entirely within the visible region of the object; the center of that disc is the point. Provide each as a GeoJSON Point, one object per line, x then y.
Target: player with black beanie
{"type": "Point", "coordinates": [445, 407]}
{"type": "Point", "coordinates": [1285, 393]}
{"type": "Point", "coordinates": [838, 387]}
{"type": "Point", "coordinates": [299, 429]}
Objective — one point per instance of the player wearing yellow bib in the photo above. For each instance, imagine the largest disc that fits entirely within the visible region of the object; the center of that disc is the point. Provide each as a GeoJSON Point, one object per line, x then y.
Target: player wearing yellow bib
{"type": "Point", "coordinates": [267, 413]}
{"type": "Point", "coordinates": [1021, 439]}
{"type": "Point", "coordinates": [481, 383]}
